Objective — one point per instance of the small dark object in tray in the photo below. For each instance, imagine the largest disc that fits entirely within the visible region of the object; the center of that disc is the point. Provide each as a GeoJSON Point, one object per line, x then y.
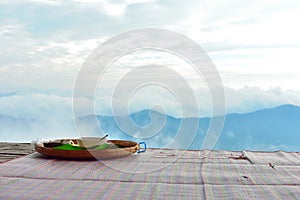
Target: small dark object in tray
{"type": "Point", "coordinates": [52, 144]}
{"type": "Point", "coordinates": [120, 146]}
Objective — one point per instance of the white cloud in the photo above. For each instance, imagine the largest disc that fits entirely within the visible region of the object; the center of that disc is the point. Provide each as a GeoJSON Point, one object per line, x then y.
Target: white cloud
{"type": "Point", "coordinates": [254, 44]}
{"type": "Point", "coordinates": [248, 99]}
{"type": "Point", "coordinates": [48, 2]}
{"type": "Point", "coordinates": [36, 106]}
{"type": "Point", "coordinates": [242, 100]}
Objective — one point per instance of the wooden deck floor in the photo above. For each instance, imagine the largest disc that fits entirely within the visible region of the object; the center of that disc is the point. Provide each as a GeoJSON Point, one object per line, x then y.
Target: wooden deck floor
{"type": "Point", "coordinates": [155, 174]}
{"type": "Point", "coordinates": [10, 151]}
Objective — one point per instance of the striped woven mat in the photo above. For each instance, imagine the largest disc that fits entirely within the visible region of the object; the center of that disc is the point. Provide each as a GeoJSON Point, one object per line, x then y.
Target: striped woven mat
{"type": "Point", "coordinates": [156, 174]}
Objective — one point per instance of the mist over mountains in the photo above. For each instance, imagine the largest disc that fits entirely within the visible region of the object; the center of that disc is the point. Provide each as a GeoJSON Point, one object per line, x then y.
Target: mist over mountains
{"type": "Point", "coordinates": [267, 129]}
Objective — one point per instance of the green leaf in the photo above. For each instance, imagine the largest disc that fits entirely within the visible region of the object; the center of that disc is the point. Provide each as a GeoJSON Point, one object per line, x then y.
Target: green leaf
{"type": "Point", "coordinates": [102, 146]}
{"type": "Point", "coordinates": [69, 147]}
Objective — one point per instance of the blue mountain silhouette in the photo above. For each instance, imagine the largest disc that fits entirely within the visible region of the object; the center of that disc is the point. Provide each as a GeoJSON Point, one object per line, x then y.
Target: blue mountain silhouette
{"type": "Point", "coordinates": [268, 129]}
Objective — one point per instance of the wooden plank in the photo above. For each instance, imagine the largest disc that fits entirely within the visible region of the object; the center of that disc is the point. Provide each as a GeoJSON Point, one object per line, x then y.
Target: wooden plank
{"type": "Point", "coordinates": [10, 151]}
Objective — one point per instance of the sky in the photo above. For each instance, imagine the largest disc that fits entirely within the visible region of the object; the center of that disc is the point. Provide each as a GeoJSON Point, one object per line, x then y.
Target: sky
{"type": "Point", "coordinates": [254, 45]}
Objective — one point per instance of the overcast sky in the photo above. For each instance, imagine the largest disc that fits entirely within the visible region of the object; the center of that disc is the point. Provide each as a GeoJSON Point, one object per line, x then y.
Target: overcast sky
{"type": "Point", "coordinates": [255, 46]}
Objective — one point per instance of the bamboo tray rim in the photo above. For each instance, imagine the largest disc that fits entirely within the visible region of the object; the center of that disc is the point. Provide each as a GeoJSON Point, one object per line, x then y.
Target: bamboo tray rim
{"type": "Point", "coordinates": [89, 154]}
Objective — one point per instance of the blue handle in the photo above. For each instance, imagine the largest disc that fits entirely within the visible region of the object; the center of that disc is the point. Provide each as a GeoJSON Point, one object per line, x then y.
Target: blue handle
{"type": "Point", "coordinates": [143, 150]}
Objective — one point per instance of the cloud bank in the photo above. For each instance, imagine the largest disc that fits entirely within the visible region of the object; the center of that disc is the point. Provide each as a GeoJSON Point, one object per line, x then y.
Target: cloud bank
{"type": "Point", "coordinates": [42, 106]}
{"type": "Point", "coordinates": [254, 46]}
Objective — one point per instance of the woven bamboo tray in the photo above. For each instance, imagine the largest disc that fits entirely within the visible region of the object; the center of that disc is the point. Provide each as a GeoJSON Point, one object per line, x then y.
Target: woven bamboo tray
{"type": "Point", "coordinates": [128, 148]}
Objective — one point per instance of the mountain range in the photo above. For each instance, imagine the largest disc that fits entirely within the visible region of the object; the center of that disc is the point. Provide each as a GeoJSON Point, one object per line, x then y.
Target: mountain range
{"type": "Point", "coordinates": [266, 130]}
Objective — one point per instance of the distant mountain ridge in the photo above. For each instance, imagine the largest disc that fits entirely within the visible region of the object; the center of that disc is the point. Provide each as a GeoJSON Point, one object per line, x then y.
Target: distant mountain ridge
{"type": "Point", "coordinates": [269, 129]}
{"type": "Point", "coordinates": [266, 129]}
